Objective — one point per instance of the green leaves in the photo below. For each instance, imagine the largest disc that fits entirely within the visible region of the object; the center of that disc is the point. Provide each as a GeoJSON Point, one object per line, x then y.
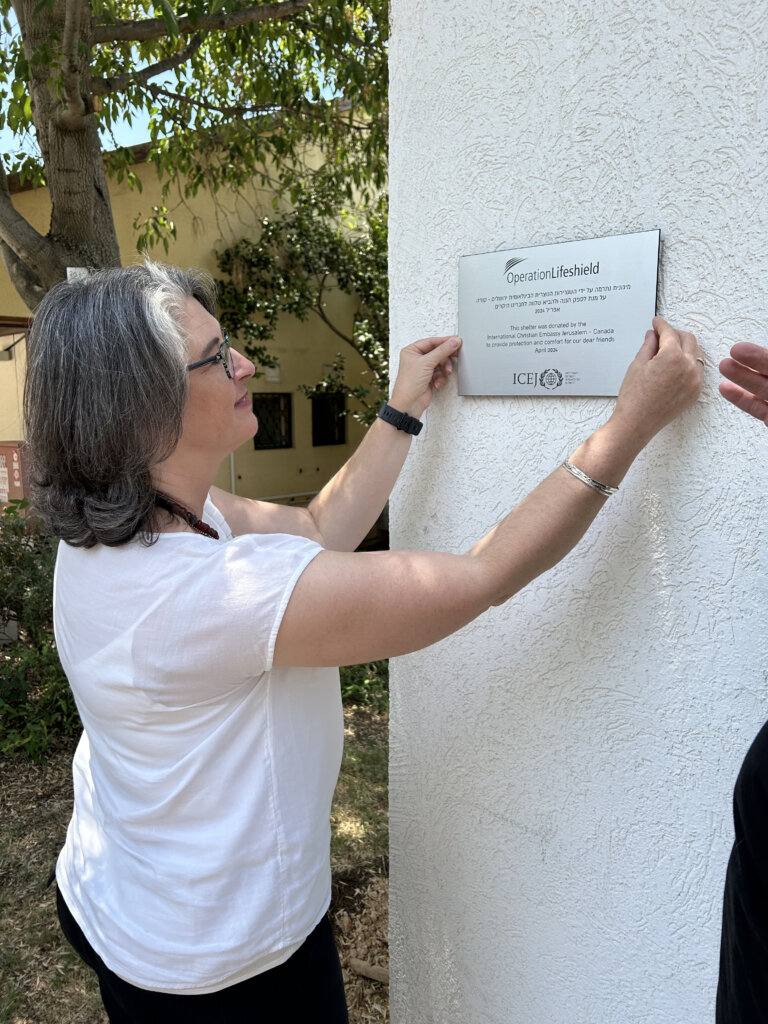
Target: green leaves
{"type": "Point", "coordinates": [26, 569]}
{"type": "Point", "coordinates": [289, 269]}
{"type": "Point", "coordinates": [264, 99]}
{"type": "Point", "coordinates": [366, 685]}
{"type": "Point", "coordinates": [156, 229]}
{"type": "Point", "coordinates": [166, 13]}
{"type": "Point", "coordinates": [18, 105]}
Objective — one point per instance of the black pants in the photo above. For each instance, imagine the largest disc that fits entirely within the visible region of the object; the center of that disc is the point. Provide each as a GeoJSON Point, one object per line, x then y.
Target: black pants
{"type": "Point", "coordinates": [306, 989]}
{"type": "Point", "coordinates": [742, 993]}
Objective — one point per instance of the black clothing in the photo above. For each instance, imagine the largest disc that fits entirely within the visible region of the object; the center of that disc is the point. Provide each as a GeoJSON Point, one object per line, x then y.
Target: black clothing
{"type": "Point", "coordinates": [308, 987]}
{"type": "Point", "coordinates": [742, 993]}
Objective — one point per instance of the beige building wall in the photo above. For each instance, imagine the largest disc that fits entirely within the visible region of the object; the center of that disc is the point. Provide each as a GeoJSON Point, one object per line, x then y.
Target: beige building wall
{"type": "Point", "coordinates": [13, 366]}
{"type": "Point", "coordinates": [206, 224]}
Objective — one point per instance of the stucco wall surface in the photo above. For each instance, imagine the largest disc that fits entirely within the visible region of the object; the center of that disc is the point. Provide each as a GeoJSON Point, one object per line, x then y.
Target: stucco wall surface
{"type": "Point", "coordinates": [561, 769]}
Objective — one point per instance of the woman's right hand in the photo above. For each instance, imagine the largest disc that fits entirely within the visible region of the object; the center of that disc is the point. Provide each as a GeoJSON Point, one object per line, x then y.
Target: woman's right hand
{"type": "Point", "coordinates": [662, 381]}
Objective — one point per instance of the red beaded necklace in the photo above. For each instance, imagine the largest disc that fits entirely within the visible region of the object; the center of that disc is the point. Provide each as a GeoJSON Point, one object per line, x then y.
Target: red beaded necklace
{"type": "Point", "coordinates": [177, 509]}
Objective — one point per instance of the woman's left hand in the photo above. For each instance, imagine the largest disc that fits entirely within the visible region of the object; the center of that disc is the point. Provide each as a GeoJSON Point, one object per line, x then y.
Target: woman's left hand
{"type": "Point", "coordinates": [424, 367]}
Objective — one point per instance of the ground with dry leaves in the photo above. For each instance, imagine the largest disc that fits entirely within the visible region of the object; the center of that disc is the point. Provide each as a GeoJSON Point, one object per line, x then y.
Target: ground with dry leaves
{"type": "Point", "coordinates": [43, 982]}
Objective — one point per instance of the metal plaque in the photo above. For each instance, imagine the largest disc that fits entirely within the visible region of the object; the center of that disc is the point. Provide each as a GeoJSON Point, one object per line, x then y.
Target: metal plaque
{"type": "Point", "coordinates": [560, 319]}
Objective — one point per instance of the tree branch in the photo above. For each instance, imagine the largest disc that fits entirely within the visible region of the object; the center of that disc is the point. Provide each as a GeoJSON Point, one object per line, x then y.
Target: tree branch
{"type": "Point", "coordinates": [101, 87]}
{"type": "Point", "coordinates": [105, 86]}
{"type": "Point", "coordinates": [191, 101]}
{"type": "Point", "coordinates": [75, 112]}
{"type": "Point", "coordinates": [25, 281]}
{"type": "Point", "coordinates": [155, 28]}
{"type": "Point", "coordinates": [333, 327]}
{"type": "Point", "coordinates": [318, 308]}
{"type": "Point", "coordinates": [28, 245]}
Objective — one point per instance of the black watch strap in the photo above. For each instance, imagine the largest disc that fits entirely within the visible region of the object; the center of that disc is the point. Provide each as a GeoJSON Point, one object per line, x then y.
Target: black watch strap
{"type": "Point", "coordinates": [400, 420]}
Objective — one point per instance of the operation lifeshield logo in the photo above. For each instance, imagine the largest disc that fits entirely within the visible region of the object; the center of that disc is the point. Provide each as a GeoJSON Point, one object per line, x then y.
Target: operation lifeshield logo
{"type": "Point", "coordinates": [550, 274]}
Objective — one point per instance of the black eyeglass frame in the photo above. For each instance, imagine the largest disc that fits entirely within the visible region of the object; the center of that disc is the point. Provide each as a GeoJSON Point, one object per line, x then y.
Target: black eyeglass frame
{"type": "Point", "coordinates": [222, 356]}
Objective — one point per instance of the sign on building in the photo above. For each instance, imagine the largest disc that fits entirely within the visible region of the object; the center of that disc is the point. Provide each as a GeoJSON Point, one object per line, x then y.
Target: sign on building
{"type": "Point", "coordinates": [14, 483]}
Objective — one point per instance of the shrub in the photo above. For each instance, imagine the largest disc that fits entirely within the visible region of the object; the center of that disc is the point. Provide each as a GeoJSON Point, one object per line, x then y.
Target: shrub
{"type": "Point", "coordinates": [36, 705]}
{"type": "Point", "coordinates": [366, 685]}
{"type": "Point", "coordinates": [27, 557]}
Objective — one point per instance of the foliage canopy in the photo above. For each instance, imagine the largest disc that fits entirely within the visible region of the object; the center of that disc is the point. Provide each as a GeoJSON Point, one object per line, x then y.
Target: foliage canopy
{"type": "Point", "coordinates": [284, 91]}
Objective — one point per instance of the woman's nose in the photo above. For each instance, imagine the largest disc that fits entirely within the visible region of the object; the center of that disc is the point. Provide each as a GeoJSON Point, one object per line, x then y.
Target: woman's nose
{"type": "Point", "coordinates": [244, 368]}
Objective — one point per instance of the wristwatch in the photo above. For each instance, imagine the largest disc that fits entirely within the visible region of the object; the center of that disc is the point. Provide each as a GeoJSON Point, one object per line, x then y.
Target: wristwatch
{"type": "Point", "coordinates": [400, 420]}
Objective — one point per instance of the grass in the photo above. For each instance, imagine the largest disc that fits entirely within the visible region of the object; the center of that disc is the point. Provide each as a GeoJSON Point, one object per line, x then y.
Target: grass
{"type": "Point", "coordinates": [43, 982]}
{"type": "Point", "coordinates": [359, 826]}
{"type": "Point", "coordinates": [359, 858]}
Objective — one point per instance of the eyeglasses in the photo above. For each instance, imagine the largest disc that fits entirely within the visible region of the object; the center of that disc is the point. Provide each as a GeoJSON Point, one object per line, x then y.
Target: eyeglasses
{"type": "Point", "coordinates": [223, 356]}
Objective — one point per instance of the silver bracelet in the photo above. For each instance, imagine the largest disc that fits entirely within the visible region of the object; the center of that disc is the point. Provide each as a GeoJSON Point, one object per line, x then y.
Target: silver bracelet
{"type": "Point", "coordinates": [603, 489]}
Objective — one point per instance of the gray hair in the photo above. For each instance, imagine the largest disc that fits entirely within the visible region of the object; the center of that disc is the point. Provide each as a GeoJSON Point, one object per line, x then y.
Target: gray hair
{"type": "Point", "coordinates": [105, 392]}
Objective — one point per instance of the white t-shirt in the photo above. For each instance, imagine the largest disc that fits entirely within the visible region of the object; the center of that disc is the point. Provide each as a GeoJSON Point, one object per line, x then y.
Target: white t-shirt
{"type": "Point", "coordinates": [198, 851]}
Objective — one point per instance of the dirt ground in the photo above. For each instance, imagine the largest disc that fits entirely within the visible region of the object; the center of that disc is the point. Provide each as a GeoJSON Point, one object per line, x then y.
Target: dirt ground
{"type": "Point", "coordinates": [359, 910]}
{"type": "Point", "coordinates": [43, 982]}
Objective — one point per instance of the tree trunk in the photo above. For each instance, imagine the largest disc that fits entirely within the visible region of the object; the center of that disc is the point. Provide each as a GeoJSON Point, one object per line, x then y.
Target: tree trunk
{"type": "Point", "coordinates": [82, 231]}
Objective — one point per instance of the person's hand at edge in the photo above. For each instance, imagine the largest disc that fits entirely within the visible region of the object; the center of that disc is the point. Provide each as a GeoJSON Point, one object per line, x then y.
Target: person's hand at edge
{"type": "Point", "coordinates": [747, 383]}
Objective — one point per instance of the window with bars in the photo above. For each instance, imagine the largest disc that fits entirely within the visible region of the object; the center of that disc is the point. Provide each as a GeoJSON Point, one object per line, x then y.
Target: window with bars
{"type": "Point", "coordinates": [329, 422]}
{"type": "Point", "coordinates": [274, 411]}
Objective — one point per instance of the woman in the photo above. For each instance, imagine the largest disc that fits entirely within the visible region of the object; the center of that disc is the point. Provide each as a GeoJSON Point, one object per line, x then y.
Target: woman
{"type": "Point", "coordinates": [742, 993]}
{"type": "Point", "coordinates": [200, 633]}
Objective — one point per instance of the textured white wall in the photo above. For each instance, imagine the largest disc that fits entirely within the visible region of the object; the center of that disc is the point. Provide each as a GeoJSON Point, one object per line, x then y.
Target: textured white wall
{"type": "Point", "coordinates": [561, 769]}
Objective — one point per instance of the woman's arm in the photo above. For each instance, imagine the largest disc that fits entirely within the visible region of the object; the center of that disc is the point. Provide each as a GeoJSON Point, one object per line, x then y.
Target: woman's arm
{"type": "Point", "coordinates": [349, 608]}
{"type": "Point", "coordinates": [343, 512]}
{"type": "Point", "coordinates": [350, 503]}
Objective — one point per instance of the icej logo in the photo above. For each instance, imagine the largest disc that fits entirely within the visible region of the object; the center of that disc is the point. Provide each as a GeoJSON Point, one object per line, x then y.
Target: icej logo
{"type": "Point", "coordinates": [550, 379]}
{"type": "Point", "coordinates": [511, 264]}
